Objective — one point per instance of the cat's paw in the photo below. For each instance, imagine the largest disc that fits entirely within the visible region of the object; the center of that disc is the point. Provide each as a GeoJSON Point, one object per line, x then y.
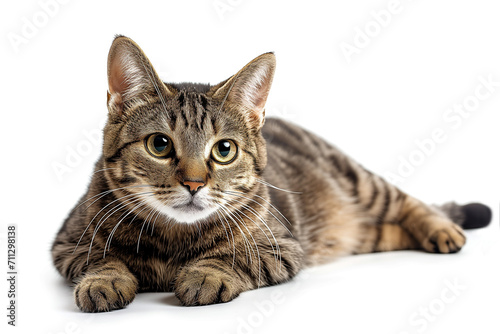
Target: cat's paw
{"type": "Point", "coordinates": [449, 239]}
{"type": "Point", "coordinates": [203, 286]}
{"type": "Point", "coordinates": [102, 293]}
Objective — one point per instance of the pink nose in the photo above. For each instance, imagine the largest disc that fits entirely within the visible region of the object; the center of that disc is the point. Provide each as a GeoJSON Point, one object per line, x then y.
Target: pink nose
{"type": "Point", "coordinates": [194, 186]}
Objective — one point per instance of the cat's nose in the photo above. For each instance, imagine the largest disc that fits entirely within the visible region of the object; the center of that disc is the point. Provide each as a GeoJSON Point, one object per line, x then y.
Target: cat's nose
{"type": "Point", "coordinates": [193, 186]}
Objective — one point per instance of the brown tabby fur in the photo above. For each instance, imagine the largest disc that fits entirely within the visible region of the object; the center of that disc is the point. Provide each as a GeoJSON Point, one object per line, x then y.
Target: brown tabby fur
{"type": "Point", "coordinates": [114, 244]}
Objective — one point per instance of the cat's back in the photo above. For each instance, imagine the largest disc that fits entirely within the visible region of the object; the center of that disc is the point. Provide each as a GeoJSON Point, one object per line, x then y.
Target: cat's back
{"type": "Point", "coordinates": [282, 135]}
{"type": "Point", "coordinates": [299, 162]}
{"type": "Point", "coordinates": [290, 142]}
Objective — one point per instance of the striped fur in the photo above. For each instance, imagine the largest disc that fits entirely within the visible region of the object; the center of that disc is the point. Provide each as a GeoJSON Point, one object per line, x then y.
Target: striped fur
{"type": "Point", "coordinates": [288, 200]}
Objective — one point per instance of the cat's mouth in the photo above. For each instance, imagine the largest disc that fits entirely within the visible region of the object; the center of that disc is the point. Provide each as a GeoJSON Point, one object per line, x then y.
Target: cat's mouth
{"type": "Point", "coordinates": [186, 212]}
{"type": "Point", "coordinates": [191, 206]}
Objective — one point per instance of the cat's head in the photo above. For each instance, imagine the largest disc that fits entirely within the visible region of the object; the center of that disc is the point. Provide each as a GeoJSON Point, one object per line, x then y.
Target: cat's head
{"type": "Point", "coordinates": [179, 148]}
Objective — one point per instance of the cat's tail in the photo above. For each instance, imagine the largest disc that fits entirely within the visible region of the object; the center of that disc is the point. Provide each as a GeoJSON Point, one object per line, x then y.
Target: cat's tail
{"type": "Point", "coordinates": [469, 216]}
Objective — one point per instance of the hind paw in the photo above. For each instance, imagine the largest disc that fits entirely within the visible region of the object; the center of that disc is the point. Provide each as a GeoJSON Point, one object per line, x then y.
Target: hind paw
{"type": "Point", "coordinates": [445, 240]}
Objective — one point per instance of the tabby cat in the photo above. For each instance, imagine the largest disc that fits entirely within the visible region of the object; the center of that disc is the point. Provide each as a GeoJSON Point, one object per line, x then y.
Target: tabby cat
{"type": "Point", "coordinates": [194, 194]}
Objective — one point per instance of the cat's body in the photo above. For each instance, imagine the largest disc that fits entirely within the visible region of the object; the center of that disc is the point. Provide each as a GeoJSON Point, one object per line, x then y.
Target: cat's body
{"type": "Point", "coordinates": [211, 230]}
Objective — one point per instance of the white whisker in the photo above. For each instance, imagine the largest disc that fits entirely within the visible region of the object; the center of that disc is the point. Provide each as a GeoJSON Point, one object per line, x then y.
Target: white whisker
{"type": "Point", "coordinates": [246, 243]}
{"type": "Point", "coordinates": [232, 236]}
{"type": "Point", "coordinates": [107, 215]}
{"type": "Point", "coordinates": [277, 188]}
{"type": "Point", "coordinates": [110, 237]}
{"type": "Point", "coordinates": [151, 214]}
{"type": "Point", "coordinates": [256, 253]}
{"type": "Point", "coordinates": [104, 193]}
{"type": "Point", "coordinates": [79, 240]}
{"type": "Point", "coordinates": [238, 193]}
{"type": "Point", "coordinates": [276, 250]}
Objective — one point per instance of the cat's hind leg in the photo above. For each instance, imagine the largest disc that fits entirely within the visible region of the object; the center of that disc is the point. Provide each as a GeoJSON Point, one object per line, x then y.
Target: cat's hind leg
{"type": "Point", "coordinates": [414, 226]}
{"type": "Point", "coordinates": [411, 224]}
{"type": "Point", "coordinates": [439, 229]}
{"type": "Point", "coordinates": [384, 237]}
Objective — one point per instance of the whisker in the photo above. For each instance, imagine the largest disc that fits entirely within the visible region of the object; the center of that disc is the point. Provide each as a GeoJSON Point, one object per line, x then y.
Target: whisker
{"type": "Point", "coordinates": [107, 215]}
{"type": "Point", "coordinates": [256, 252]}
{"type": "Point", "coordinates": [151, 214]}
{"type": "Point", "coordinates": [276, 251]}
{"type": "Point", "coordinates": [104, 193]}
{"type": "Point", "coordinates": [79, 240]}
{"type": "Point", "coordinates": [232, 236]}
{"type": "Point", "coordinates": [277, 188]}
{"type": "Point", "coordinates": [254, 242]}
{"type": "Point", "coordinates": [246, 243]}
{"type": "Point", "coordinates": [101, 170]}
{"type": "Point", "coordinates": [145, 207]}
{"type": "Point", "coordinates": [110, 237]}
{"type": "Point", "coordinates": [238, 193]}
{"type": "Point", "coordinates": [154, 222]}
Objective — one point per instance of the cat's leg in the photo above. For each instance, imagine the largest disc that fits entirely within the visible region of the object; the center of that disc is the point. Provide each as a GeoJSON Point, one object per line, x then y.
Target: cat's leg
{"type": "Point", "coordinates": [212, 280]}
{"type": "Point", "coordinates": [435, 232]}
{"type": "Point", "coordinates": [104, 284]}
{"type": "Point", "coordinates": [384, 237]}
{"type": "Point", "coordinates": [215, 279]}
{"type": "Point", "coordinates": [105, 287]}
{"type": "Point", "coordinates": [401, 221]}
{"type": "Point", "coordinates": [416, 226]}
{"type": "Point", "coordinates": [411, 224]}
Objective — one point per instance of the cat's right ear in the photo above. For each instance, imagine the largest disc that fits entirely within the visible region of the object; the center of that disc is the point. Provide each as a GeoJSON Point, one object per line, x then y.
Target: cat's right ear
{"type": "Point", "coordinates": [131, 77]}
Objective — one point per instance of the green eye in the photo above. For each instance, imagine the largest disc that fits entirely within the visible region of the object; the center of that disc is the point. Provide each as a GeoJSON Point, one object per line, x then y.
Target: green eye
{"type": "Point", "coordinates": [158, 145]}
{"type": "Point", "coordinates": [224, 151]}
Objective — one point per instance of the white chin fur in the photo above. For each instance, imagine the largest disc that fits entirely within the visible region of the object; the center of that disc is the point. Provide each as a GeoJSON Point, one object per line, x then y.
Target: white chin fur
{"type": "Point", "coordinates": [182, 215]}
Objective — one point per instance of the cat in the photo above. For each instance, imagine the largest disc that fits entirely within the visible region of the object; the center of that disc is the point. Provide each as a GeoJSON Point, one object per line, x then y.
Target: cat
{"type": "Point", "coordinates": [194, 193]}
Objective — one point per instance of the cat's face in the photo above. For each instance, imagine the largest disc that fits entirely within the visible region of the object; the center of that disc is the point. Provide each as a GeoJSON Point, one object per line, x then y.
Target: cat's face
{"type": "Point", "coordinates": [180, 150]}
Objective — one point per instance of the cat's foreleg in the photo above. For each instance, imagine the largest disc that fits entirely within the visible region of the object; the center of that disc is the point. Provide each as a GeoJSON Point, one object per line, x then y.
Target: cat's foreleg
{"type": "Point", "coordinates": [218, 279]}
{"type": "Point", "coordinates": [106, 286]}
{"type": "Point", "coordinates": [102, 283]}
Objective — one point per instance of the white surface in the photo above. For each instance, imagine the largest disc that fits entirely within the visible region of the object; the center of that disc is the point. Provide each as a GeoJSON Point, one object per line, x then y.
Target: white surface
{"type": "Point", "coordinates": [394, 92]}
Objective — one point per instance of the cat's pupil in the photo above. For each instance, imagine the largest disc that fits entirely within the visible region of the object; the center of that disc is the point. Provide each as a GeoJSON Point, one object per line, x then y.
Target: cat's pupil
{"type": "Point", "coordinates": [160, 143]}
{"type": "Point", "coordinates": [224, 148]}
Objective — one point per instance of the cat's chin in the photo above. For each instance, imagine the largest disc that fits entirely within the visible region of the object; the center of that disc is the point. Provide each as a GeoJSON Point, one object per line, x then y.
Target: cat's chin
{"type": "Point", "coordinates": [185, 213]}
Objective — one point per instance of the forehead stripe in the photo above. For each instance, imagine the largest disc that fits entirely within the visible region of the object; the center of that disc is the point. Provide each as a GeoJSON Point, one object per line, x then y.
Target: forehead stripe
{"type": "Point", "coordinates": [118, 152]}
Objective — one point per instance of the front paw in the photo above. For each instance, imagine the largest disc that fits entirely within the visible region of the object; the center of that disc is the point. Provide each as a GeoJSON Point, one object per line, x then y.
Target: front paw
{"type": "Point", "coordinates": [203, 286]}
{"type": "Point", "coordinates": [102, 293]}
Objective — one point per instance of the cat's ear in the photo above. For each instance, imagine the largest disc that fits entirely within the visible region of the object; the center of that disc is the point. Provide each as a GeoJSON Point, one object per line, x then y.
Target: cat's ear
{"type": "Point", "coordinates": [248, 89]}
{"type": "Point", "coordinates": [130, 75]}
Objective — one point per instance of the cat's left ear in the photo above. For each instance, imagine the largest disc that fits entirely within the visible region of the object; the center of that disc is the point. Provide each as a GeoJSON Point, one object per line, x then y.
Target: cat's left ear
{"type": "Point", "coordinates": [248, 89]}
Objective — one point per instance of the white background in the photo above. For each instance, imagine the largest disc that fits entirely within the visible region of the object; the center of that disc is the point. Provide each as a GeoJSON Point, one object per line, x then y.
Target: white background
{"type": "Point", "coordinates": [393, 92]}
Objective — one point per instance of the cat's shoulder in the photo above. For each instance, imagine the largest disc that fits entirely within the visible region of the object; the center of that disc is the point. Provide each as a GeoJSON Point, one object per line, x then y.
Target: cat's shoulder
{"type": "Point", "coordinates": [276, 126]}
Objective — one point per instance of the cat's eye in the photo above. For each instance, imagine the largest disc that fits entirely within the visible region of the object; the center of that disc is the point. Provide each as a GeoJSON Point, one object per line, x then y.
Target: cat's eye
{"type": "Point", "coordinates": [159, 145]}
{"type": "Point", "coordinates": [224, 151]}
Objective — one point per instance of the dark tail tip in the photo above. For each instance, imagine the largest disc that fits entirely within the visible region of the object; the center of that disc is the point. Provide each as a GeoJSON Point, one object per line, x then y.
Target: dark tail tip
{"type": "Point", "coordinates": [477, 215]}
